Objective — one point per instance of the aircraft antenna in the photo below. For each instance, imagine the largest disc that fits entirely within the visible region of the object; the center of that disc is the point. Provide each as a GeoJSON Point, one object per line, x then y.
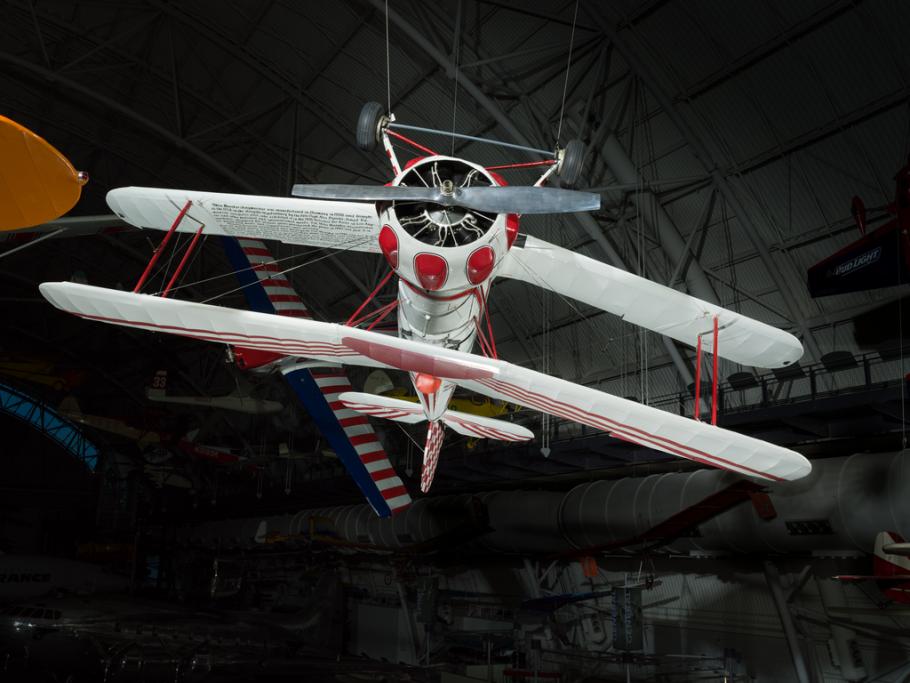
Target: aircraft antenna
{"type": "Point", "coordinates": [565, 84]}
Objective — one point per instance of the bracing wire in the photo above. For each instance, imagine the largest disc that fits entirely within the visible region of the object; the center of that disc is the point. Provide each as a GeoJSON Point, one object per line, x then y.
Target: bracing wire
{"type": "Point", "coordinates": [565, 84]}
{"type": "Point", "coordinates": [291, 269]}
{"type": "Point", "coordinates": [196, 283]}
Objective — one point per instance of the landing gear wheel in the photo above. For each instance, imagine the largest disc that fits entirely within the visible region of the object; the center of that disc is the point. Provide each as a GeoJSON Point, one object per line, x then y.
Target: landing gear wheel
{"type": "Point", "coordinates": [569, 162]}
{"type": "Point", "coordinates": [370, 123]}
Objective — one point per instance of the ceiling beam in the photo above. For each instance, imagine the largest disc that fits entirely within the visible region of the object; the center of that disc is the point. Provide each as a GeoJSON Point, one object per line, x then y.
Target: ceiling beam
{"type": "Point", "coordinates": [56, 79]}
{"type": "Point", "coordinates": [700, 150]}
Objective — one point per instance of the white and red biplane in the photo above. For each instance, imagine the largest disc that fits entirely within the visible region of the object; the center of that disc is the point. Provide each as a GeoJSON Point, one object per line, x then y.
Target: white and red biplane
{"type": "Point", "coordinates": [447, 228]}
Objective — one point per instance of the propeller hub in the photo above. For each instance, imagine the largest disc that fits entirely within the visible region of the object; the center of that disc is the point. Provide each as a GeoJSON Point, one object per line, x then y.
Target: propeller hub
{"type": "Point", "coordinates": [442, 221]}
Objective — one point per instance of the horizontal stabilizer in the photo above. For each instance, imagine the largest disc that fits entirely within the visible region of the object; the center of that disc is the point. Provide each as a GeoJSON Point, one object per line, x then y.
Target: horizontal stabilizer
{"type": "Point", "coordinates": [383, 406]}
{"type": "Point", "coordinates": [481, 427]}
{"type": "Point", "coordinates": [337, 225]}
{"type": "Point", "coordinates": [411, 413]}
{"type": "Point", "coordinates": [650, 305]}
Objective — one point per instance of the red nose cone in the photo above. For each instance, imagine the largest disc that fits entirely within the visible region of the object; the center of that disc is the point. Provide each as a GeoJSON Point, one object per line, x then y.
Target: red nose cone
{"type": "Point", "coordinates": [431, 270]}
{"type": "Point", "coordinates": [388, 242]}
{"type": "Point", "coordinates": [480, 265]}
{"type": "Point", "coordinates": [427, 384]}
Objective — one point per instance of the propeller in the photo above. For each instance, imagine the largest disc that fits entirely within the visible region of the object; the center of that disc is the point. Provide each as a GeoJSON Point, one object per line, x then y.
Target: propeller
{"type": "Point", "coordinates": [494, 199]}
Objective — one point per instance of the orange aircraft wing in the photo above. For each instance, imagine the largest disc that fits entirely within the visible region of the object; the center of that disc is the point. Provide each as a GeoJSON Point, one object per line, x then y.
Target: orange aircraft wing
{"type": "Point", "coordinates": [37, 183]}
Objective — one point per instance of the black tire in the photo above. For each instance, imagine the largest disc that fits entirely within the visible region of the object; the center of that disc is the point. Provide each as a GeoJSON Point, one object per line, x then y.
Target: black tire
{"type": "Point", "coordinates": [368, 125]}
{"type": "Point", "coordinates": [573, 158]}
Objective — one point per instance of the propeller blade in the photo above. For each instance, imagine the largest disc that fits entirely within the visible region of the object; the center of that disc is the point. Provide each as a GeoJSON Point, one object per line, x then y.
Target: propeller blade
{"type": "Point", "coordinates": [526, 199]}
{"type": "Point", "coordinates": [369, 193]}
{"type": "Point", "coordinates": [495, 199]}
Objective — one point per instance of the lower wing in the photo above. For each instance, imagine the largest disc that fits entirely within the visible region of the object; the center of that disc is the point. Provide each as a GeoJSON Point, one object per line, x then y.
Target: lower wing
{"type": "Point", "coordinates": [674, 434]}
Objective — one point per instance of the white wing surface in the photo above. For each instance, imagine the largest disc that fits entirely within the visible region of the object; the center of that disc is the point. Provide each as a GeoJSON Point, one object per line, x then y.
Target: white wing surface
{"type": "Point", "coordinates": [337, 225]}
{"type": "Point", "coordinates": [650, 305]}
{"type": "Point", "coordinates": [498, 379]}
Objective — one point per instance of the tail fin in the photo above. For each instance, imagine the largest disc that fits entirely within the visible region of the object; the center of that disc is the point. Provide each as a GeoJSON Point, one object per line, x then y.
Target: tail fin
{"type": "Point", "coordinates": [435, 435]}
{"type": "Point", "coordinates": [892, 555]}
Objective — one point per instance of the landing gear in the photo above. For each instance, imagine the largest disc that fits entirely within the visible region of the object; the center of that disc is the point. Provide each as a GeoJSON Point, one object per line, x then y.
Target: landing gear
{"type": "Point", "coordinates": [370, 123]}
{"type": "Point", "coordinates": [569, 161]}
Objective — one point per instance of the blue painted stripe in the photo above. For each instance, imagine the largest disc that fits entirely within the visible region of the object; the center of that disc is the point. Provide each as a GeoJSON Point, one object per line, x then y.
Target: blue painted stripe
{"type": "Point", "coordinates": [310, 395]}
{"type": "Point", "coordinates": [305, 387]}
{"type": "Point", "coordinates": [256, 296]}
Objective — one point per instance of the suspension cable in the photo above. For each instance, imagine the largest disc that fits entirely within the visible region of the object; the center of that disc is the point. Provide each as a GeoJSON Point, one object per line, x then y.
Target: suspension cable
{"type": "Point", "coordinates": [565, 85]}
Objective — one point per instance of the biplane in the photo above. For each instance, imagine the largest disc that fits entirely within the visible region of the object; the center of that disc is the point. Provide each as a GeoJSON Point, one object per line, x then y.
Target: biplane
{"type": "Point", "coordinates": [447, 228]}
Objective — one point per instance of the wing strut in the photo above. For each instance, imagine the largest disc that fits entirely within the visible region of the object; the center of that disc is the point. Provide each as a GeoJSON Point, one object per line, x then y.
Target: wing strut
{"type": "Point", "coordinates": [167, 238]}
{"type": "Point", "coordinates": [186, 257]}
{"type": "Point", "coordinates": [715, 355]}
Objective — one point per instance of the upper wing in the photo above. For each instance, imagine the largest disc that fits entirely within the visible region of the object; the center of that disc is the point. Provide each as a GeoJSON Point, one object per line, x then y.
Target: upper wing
{"type": "Point", "coordinates": [337, 225]}
{"type": "Point", "coordinates": [626, 419]}
{"type": "Point", "coordinates": [650, 305]}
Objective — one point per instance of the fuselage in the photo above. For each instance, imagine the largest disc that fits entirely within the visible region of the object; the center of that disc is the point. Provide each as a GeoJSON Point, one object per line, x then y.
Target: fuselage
{"type": "Point", "coordinates": [445, 259]}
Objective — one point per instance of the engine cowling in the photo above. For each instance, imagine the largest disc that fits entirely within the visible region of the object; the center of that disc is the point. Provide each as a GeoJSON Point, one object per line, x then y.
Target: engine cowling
{"type": "Point", "coordinates": [438, 248]}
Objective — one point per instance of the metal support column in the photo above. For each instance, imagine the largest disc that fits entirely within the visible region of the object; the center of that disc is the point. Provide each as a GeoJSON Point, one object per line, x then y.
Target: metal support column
{"type": "Point", "coordinates": [851, 664]}
{"type": "Point", "coordinates": [772, 576]}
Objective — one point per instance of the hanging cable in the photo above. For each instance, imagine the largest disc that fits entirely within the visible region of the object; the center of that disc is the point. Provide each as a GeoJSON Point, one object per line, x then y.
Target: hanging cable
{"type": "Point", "coordinates": [900, 341]}
{"type": "Point", "coordinates": [545, 418]}
{"type": "Point", "coordinates": [388, 62]}
{"type": "Point", "coordinates": [456, 59]}
{"type": "Point", "coordinates": [565, 85]}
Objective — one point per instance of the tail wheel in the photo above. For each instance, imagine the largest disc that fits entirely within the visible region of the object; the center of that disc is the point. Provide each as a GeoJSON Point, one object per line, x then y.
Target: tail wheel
{"type": "Point", "coordinates": [570, 161]}
{"type": "Point", "coordinates": [370, 123]}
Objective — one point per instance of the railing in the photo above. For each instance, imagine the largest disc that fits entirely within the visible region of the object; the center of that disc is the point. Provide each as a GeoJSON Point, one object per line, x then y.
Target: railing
{"type": "Point", "coordinates": [839, 373]}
